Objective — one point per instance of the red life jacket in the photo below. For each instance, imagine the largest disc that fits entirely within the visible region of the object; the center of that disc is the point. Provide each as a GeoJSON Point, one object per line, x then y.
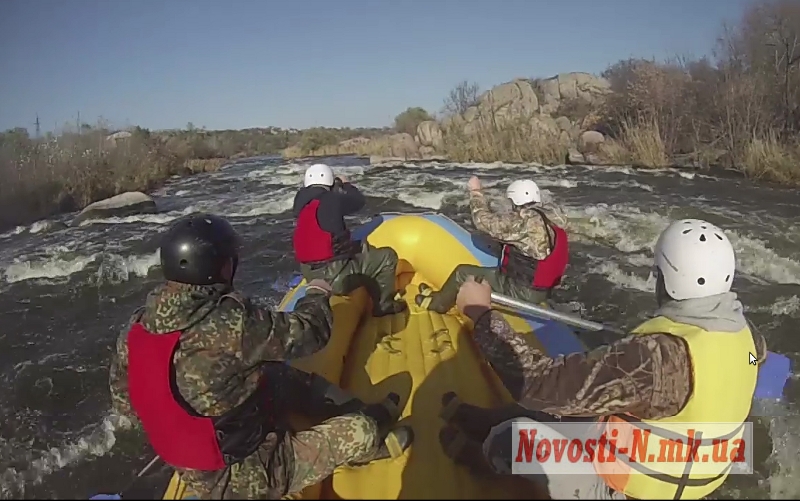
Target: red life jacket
{"type": "Point", "coordinates": [182, 437]}
{"type": "Point", "coordinates": [542, 274]}
{"type": "Point", "coordinates": [314, 245]}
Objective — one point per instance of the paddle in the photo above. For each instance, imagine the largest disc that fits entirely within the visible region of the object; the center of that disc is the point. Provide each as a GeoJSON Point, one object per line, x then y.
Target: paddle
{"type": "Point", "coordinates": [118, 495]}
{"type": "Point", "coordinates": [773, 373]}
{"type": "Point", "coordinates": [550, 314]}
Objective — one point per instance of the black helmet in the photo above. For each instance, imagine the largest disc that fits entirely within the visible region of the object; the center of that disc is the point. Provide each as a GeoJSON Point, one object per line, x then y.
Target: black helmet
{"type": "Point", "coordinates": [197, 247]}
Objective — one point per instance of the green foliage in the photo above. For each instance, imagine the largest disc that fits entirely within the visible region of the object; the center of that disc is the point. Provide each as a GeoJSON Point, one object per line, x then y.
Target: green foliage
{"type": "Point", "coordinates": [408, 120]}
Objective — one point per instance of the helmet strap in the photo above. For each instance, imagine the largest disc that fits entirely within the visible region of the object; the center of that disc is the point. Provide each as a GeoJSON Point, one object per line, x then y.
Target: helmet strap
{"type": "Point", "coordinates": [662, 296]}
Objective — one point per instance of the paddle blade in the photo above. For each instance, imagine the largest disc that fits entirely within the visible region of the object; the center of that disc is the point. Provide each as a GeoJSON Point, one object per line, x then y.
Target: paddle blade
{"type": "Point", "coordinates": [772, 376]}
{"type": "Point", "coordinates": [105, 496]}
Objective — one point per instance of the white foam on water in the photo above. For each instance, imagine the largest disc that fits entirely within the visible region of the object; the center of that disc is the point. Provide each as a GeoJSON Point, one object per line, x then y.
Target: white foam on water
{"type": "Point", "coordinates": [116, 269]}
{"type": "Point", "coordinates": [556, 183]}
{"type": "Point", "coordinates": [163, 218]}
{"type": "Point", "coordinates": [754, 257]}
{"type": "Point", "coordinates": [292, 174]}
{"type": "Point", "coordinates": [42, 463]}
{"type": "Point", "coordinates": [112, 268]}
{"type": "Point", "coordinates": [627, 280]}
{"type": "Point", "coordinates": [423, 199]}
{"type": "Point", "coordinates": [784, 459]}
{"type": "Point", "coordinates": [620, 226]}
{"type": "Point", "coordinates": [11, 233]}
{"type": "Point", "coordinates": [50, 268]}
{"type": "Point", "coordinates": [275, 203]}
{"type": "Point", "coordinates": [785, 306]}
{"type": "Point", "coordinates": [40, 226]}
{"type": "Point", "coordinates": [630, 183]}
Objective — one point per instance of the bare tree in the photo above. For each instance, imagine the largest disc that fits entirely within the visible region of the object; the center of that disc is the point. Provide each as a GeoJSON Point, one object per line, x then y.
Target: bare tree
{"type": "Point", "coordinates": [784, 38]}
{"type": "Point", "coordinates": [462, 97]}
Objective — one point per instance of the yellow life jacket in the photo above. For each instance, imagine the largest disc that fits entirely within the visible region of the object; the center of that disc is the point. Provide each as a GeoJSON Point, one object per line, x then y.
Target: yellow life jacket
{"type": "Point", "coordinates": [722, 391]}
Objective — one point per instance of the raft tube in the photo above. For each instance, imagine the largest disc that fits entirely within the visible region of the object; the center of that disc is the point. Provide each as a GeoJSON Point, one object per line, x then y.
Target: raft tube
{"type": "Point", "coordinates": [420, 355]}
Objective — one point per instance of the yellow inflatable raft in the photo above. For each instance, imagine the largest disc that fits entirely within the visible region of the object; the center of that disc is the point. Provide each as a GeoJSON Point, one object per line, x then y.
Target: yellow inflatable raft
{"type": "Point", "coordinates": [420, 355]}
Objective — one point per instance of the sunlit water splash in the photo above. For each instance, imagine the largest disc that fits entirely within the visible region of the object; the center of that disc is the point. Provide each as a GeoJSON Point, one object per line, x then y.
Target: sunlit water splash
{"type": "Point", "coordinates": [66, 293]}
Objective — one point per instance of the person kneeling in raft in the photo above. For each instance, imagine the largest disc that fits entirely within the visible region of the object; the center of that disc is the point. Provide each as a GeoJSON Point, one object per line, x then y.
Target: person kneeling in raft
{"type": "Point", "coordinates": [324, 249]}
{"type": "Point", "coordinates": [688, 364]}
{"type": "Point", "coordinates": [534, 254]}
{"type": "Point", "coordinates": [203, 369]}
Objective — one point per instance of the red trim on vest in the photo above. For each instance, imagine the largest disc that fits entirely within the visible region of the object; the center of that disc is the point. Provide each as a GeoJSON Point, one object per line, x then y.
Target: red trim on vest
{"type": "Point", "coordinates": [311, 243]}
{"type": "Point", "coordinates": [182, 440]}
{"type": "Point", "coordinates": [546, 273]}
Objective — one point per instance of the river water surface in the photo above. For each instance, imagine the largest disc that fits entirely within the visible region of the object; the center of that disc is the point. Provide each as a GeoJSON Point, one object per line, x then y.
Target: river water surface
{"type": "Point", "coordinates": [65, 293]}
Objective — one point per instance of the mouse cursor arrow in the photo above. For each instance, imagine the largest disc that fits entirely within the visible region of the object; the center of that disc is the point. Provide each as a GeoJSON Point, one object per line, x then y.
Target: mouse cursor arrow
{"type": "Point", "coordinates": [753, 359]}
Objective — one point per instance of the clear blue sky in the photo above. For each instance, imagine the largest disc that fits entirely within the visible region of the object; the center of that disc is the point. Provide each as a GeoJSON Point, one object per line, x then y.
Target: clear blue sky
{"type": "Point", "coordinates": [302, 63]}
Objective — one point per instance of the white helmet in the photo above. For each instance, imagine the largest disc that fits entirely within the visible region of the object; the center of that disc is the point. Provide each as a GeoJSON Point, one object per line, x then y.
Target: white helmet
{"type": "Point", "coordinates": [523, 192]}
{"type": "Point", "coordinates": [318, 174]}
{"type": "Point", "coordinates": [695, 258]}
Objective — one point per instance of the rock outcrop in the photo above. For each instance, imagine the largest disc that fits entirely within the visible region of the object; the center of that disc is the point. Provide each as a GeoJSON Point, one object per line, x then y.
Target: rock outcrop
{"type": "Point", "coordinates": [569, 86]}
{"type": "Point", "coordinates": [537, 101]}
{"type": "Point", "coordinates": [125, 204]}
{"type": "Point", "coordinates": [557, 108]}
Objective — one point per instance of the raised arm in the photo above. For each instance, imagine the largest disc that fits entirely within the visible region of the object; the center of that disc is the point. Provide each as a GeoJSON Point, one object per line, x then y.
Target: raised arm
{"type": "Point", "coordinates": [273, 335]}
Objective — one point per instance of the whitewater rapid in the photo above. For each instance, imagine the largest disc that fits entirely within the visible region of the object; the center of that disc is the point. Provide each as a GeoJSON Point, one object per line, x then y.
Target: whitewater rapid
{"type": "Point", "coordinates": [66, 292]}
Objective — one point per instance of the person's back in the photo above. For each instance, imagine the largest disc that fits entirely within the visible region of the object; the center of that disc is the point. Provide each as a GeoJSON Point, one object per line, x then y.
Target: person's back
{"type": "Point", "coordinates": [529, 228]}
{"type": "Point", "coordinates": [221, 347]}
{"type": "Point", "coordinates": [533, 248]}
{"type": "Point", "coordinates": [683, 371]}
{"type": "Point", "coordinates": [323, 246]}
{"type": "Point", "coordinates": [202, 368]}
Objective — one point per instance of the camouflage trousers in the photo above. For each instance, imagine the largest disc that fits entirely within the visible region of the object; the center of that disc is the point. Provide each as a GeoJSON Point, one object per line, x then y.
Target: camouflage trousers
{"type": "Point", "coordinates": [298, 461]}
{"type": "Point", "coordinates": [445, 298]}
{"type": "Point", "coordinates": [374, 268]}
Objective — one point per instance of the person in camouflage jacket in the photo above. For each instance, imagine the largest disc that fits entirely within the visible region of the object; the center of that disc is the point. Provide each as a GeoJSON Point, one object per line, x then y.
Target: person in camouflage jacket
{"type": "Point", "coordinates": [231, 350]}
{"type": "Point", "coordinates": [527, 236]}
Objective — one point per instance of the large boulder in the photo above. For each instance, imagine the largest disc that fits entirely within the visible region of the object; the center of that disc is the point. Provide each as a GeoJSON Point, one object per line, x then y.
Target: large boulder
{"type": "Point", "coordinates": [501, 104]}
{"type": "Point", "coordinates": [125, 204]}
{"type": "Point", "coordinates": [429, 134]}
{"type": "Point", "coordinates": [590, 141]}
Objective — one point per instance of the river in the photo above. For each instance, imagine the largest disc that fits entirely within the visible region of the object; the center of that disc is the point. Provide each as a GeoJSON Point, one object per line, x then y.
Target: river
{"type": "Point", "coordinates": [65, 293]}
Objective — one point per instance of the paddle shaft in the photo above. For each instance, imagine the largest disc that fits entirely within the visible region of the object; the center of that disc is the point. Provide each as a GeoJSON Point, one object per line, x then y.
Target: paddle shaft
{"type": "Point", "coordinates": [541, 312]}
{"type": "Point", "coordinates": [574, 321]}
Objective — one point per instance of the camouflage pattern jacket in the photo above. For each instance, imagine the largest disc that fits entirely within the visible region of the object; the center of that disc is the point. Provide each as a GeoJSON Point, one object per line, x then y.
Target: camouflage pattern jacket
{"type": "Point", "coordinates": [225, 338]}
{"type": "Point", "coordinates": [648, 376]}
{"type": "Point", "coordinates": [524, 228]}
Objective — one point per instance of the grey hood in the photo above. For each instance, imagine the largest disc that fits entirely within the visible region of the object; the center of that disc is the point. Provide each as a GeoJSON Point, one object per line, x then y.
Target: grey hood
{"type": "Point", "coordinates": [721, 313]}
